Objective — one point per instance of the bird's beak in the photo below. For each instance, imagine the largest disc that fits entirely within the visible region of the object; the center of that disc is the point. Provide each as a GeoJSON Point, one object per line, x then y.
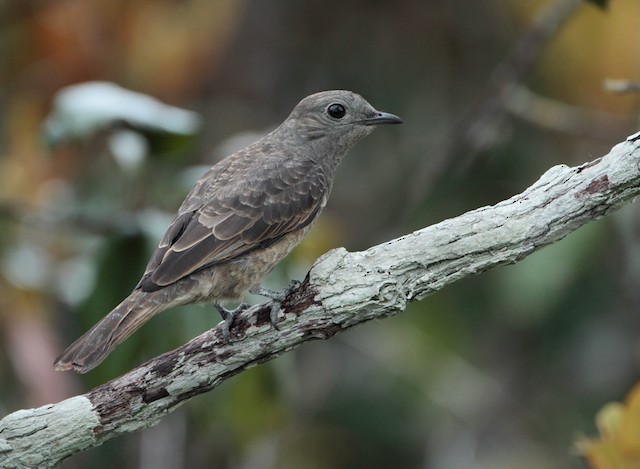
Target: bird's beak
{"type": "Point", "coordinates": [382, 118]}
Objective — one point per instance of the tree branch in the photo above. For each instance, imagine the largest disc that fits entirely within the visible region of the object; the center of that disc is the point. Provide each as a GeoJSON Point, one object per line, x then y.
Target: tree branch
{"type": "Point", "coordinates": [342, 290]}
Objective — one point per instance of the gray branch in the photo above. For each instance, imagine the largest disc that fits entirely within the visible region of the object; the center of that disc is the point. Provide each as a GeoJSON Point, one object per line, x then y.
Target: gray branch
{"type": "Point", "coordinates": [343, 289]}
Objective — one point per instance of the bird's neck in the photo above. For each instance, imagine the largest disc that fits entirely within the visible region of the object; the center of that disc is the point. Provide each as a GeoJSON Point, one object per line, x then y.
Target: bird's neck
{"type": "Point", "coordinates": [320, 149]}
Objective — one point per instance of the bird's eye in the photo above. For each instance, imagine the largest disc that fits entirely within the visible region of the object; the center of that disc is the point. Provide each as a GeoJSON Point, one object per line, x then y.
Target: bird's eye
{"type": "Point", "coordinates": [337, 111]}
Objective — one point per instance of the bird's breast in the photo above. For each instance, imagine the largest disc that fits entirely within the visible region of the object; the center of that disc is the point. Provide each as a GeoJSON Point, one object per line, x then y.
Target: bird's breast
{"type": "Point", "coordinates": [232, 279]}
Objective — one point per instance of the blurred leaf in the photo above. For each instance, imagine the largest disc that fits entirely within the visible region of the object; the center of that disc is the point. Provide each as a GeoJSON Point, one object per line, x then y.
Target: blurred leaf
{"type": "Point", "coordinates": [600, 3]}
{"type": "Point", "coordinates": [83, 109]}
{"type": "Point", "coordinates": [619, 443]}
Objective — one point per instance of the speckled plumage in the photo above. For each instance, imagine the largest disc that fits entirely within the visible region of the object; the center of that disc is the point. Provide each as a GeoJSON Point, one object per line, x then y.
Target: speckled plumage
{"type": "Point", "coordinates": [240, 219]}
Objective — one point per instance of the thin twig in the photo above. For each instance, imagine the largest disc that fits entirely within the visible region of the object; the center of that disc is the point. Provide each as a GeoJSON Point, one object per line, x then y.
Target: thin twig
{"type": "Point", "coordinates": [472, 133]}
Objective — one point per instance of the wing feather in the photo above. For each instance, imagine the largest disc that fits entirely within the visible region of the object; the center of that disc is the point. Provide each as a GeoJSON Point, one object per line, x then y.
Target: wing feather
{"type": "Point", "coordinates": [236, 217]}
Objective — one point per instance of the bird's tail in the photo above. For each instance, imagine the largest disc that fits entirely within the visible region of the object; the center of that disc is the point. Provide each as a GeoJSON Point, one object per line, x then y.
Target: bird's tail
{"type": "Point", "coordinates": [93, 347]}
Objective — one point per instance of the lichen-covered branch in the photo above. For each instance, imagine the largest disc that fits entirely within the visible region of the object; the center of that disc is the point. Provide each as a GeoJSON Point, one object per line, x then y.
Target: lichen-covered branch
{"type": "Point", "coordinates": [342, 289]}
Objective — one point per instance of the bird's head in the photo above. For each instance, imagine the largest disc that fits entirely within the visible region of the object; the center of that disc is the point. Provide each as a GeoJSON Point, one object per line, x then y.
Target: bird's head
{"type": "Point", "coordinates": [336, 119]}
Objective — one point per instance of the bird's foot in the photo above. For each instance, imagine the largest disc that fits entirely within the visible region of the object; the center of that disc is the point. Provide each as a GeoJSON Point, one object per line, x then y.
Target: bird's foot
{"type": "Point", "coordinates": [278, 295]}
{"type": "Point", "coordinates": [277, 298]}
{"type": "Point", "coordinates": [228, 315]}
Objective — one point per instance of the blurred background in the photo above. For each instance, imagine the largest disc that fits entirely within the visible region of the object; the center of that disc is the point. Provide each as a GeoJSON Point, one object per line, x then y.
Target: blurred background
{"type": "Point", "coordinates": [505, 369]}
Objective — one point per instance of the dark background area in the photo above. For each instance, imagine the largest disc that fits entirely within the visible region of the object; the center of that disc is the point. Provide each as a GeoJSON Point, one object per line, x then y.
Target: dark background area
{"type": "Point", "coordinates": [505, 369]}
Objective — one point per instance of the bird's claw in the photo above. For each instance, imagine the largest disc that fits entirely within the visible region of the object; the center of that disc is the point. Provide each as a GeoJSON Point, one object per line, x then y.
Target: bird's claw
{"type": "Point", "coordinates": [293, 285]}
{"type": "Point", "coordinates": [273, 315]}
{"type": "Point", "coordinates": [277, 297]}
{"type": "Point", "coordinates": [228, 316]}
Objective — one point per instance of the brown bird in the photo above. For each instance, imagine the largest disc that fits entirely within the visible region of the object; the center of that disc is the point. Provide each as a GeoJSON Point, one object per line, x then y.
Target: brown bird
{"type": "Point", "coordinates": [241, 218]}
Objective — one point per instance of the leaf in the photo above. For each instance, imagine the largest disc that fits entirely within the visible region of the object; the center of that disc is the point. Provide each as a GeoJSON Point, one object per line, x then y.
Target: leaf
{"type": "Point", "coordinates": [619, 443]}
{"type": "Point", "coordinates": [599, 3]}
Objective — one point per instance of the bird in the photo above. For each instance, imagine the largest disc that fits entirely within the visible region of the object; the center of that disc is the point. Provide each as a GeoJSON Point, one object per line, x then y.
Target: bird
{"type": "Point", "coordinates": [242, 217]}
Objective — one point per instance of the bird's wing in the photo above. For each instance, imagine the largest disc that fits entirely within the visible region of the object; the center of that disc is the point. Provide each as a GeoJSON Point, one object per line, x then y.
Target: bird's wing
{"type": "Point", "coordinates": [235, 220]}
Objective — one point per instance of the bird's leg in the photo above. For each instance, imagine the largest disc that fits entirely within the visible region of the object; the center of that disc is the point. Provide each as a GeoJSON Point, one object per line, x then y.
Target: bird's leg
{"type": "Point", "coordinates": [277, 297]}
{"type": "Point", "coordinates": [228, 315]}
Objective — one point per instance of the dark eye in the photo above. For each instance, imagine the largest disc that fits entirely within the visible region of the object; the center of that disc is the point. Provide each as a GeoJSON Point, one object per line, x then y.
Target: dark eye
{"type": "Point", "coordinates": [337, 111]}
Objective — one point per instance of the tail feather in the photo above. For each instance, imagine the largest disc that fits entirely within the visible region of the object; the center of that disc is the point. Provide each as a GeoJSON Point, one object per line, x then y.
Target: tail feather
{"type": "Point", "coordinates": [93, 347]}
